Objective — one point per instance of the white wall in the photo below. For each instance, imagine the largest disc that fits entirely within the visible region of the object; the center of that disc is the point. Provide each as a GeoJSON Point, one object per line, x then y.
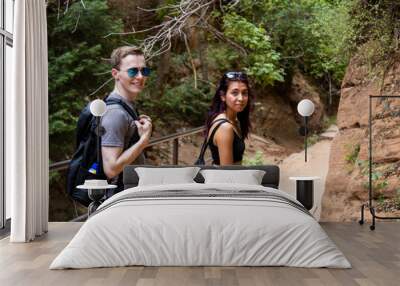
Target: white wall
{"type": "Point", "coordinates": [9, 12]}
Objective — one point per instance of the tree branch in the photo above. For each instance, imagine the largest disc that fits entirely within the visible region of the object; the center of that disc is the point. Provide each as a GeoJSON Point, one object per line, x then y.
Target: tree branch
{"type": "Point", "coordinates": [172, 27]}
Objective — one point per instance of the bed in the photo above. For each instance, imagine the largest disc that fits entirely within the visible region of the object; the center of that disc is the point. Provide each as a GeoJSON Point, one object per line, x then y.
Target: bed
{"type": "Point", "coordinates": [201, 224]}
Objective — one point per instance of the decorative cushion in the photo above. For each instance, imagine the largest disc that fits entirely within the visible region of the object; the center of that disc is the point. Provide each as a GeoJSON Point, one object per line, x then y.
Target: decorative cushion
{"type": "Point", "coordinates": [248, 177]}
{"type": "Point", "coordinates": [161, 176]}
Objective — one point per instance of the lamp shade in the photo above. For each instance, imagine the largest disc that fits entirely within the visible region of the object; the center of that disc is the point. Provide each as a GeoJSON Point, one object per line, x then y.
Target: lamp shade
{"type": "Point", "coordinates": [98, 107]}
{"type": "Point", "coordinates": [306, 107]}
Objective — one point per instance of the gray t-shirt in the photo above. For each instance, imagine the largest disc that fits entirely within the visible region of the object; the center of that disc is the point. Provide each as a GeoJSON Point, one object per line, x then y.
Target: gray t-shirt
{"type": "Point", "coordinates": [119, 127]}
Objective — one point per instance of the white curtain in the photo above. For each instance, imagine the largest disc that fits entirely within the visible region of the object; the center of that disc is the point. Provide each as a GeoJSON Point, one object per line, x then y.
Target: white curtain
{"type": "Point", "coordinates": [27, 166]}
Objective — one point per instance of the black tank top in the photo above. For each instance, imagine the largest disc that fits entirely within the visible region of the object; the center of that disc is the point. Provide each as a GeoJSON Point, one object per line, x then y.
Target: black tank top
{"type": "Point", "coordinates": [238, 144]}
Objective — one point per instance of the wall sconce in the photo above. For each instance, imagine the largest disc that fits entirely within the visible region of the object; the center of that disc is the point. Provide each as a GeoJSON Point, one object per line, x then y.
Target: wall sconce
{"type": "Point", "coordinates": [306, 109]}
{"type": "Point", "coordinates": [98, 107]}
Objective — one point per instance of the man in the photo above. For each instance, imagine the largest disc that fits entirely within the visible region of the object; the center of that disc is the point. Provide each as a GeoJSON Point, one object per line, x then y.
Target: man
{"type": "Point", "coordinates": [125, 138]}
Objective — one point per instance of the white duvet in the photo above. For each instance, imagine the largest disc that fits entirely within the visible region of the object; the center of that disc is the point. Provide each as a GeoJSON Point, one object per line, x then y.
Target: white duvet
{"type": "Point", "coordinates": [207, 230]}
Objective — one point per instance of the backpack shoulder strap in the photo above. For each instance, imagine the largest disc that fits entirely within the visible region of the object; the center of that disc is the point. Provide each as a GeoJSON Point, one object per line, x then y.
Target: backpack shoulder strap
{"type": "Point", "coordinates": [127, 108]}
{"type": "Point", "coordinates": [206, 142]}
{"type": "Point", "coordinates": [220, 122]}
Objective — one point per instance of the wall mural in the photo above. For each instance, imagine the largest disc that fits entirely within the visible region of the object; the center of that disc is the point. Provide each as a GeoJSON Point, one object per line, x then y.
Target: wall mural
{"type": "Point", "coordinates": [189, 48]}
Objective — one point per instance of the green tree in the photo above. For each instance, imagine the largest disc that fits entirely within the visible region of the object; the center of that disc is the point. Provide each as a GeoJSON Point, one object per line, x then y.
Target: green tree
{"type": "Point", "coordinates": [308, 34]}
{"type": "Point", "coordinates": [262, 60]}
{"type": "Point", "coordinates": [376, 27]}
{"type": "Point", "coordinates": [77, 49]}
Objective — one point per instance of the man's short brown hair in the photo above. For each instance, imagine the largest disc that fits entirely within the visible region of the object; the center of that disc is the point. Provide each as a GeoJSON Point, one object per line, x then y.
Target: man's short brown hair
{"type": "Point", "coordinates": [121, 52]}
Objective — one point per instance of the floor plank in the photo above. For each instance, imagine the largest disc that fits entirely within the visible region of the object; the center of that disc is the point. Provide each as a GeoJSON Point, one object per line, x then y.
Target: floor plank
{"type": "Point", "coordinates": [375, 257]}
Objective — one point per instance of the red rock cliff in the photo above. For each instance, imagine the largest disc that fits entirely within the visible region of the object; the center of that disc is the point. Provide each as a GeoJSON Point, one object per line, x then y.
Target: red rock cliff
{"type": "Point", "coordinates": [347, 180]}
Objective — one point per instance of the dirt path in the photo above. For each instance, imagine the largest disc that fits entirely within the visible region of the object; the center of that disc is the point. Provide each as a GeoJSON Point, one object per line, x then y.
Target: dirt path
{"type": "Point", "coordinates": [317, 165]}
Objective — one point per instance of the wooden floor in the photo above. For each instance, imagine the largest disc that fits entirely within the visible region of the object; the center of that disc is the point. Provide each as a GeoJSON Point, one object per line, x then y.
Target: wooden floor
{"type": "Point", "coordinates": [374, 255]}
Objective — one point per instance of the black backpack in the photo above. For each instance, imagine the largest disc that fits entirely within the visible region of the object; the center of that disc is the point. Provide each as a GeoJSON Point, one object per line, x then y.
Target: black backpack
{"type": "Point", "coordinates": [81, 166]}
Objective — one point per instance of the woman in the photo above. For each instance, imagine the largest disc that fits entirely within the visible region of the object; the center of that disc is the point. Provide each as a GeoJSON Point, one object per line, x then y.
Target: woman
{"type": "Point", "coordinates": [228, 121]}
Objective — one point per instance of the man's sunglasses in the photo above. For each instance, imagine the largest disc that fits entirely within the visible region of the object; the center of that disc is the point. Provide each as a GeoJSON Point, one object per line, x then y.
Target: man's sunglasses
{"type": "Point", "coordinates": [236, 75]}
{"type": "Point", "coordinates": [132, 72]}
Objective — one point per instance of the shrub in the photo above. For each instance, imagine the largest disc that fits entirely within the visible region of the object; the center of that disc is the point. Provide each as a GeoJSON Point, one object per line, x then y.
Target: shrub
{"type": "Point", "coordinates": [257, 159]}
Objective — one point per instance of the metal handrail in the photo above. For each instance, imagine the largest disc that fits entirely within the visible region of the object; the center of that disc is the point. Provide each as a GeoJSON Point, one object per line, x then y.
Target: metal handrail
{"type": "Point", "coordinates": [177, 135]}
{"type": "Point", "coordinates": [63, 165]}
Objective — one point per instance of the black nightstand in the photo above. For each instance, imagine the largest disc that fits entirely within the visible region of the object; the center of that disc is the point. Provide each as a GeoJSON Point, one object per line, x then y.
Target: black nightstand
{"type": "Point", "coordinates": [305, 190]}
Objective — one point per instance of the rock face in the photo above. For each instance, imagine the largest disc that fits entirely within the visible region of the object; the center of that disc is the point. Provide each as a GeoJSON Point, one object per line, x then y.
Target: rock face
{"type": "Point", "coordinates": [347, 181]}
{"type": "Point", "coordinates": [302, 89]}
{"type": "Point", "coordinates": [273, 118]}
{"type": "Point", "coordinates": [276, 116]}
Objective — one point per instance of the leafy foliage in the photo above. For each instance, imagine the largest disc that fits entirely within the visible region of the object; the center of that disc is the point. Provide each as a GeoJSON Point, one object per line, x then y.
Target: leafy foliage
{"type": "Point", "coordinates": [376, 34]}
{"type": "Point", "coordinates": [309, 34]}
{"type": "Point", "coordinates": [222, 58]}
{"type": "Point", "coordinates": [254, 161]}
{"type": "Point", "coordinates": [77, 48]}
{"type": "Point", "coordinates": [180, 102]}
{"type": "Point", "coordinates": [331, 30]}
{"type": "Point", "coordinates": [262, 60]}
{"type": "Point", "coordinates": [184, 101]}
{"type": "Point", "coordinates": [376, 27]}
{"type": "Point", "coordinates": [353, 151]}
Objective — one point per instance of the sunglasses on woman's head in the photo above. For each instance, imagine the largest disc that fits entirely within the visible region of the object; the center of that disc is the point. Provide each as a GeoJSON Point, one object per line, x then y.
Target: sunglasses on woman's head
{"type": "Point", "coordinates": [132, 72]}
{"type": "Point", "coordinates": [236, 75]}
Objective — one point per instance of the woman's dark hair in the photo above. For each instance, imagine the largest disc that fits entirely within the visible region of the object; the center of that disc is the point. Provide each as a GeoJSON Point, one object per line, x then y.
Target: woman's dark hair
{"type": "Point", "coordinates": [218, 106]}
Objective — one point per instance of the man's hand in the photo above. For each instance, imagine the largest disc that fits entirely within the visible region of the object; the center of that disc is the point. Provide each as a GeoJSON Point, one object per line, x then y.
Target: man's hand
{"type": "Point", "coordinates": [143, 116]}
{"type": "Point", "coordinates": [144, 127]}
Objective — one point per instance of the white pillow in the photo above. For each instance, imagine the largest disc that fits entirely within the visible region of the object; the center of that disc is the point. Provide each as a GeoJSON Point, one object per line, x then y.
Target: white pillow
{"type": "Point", "coordinates": [248, 177]}
{"type": "Point", "coordinates": [162, 176]}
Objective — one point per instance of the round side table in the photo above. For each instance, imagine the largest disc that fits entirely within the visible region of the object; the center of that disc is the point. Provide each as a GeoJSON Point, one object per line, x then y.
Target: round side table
{"type": "Point", "coordinates": [305, 190]}
{"type": "Point", "coordinates": [95, 193]}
